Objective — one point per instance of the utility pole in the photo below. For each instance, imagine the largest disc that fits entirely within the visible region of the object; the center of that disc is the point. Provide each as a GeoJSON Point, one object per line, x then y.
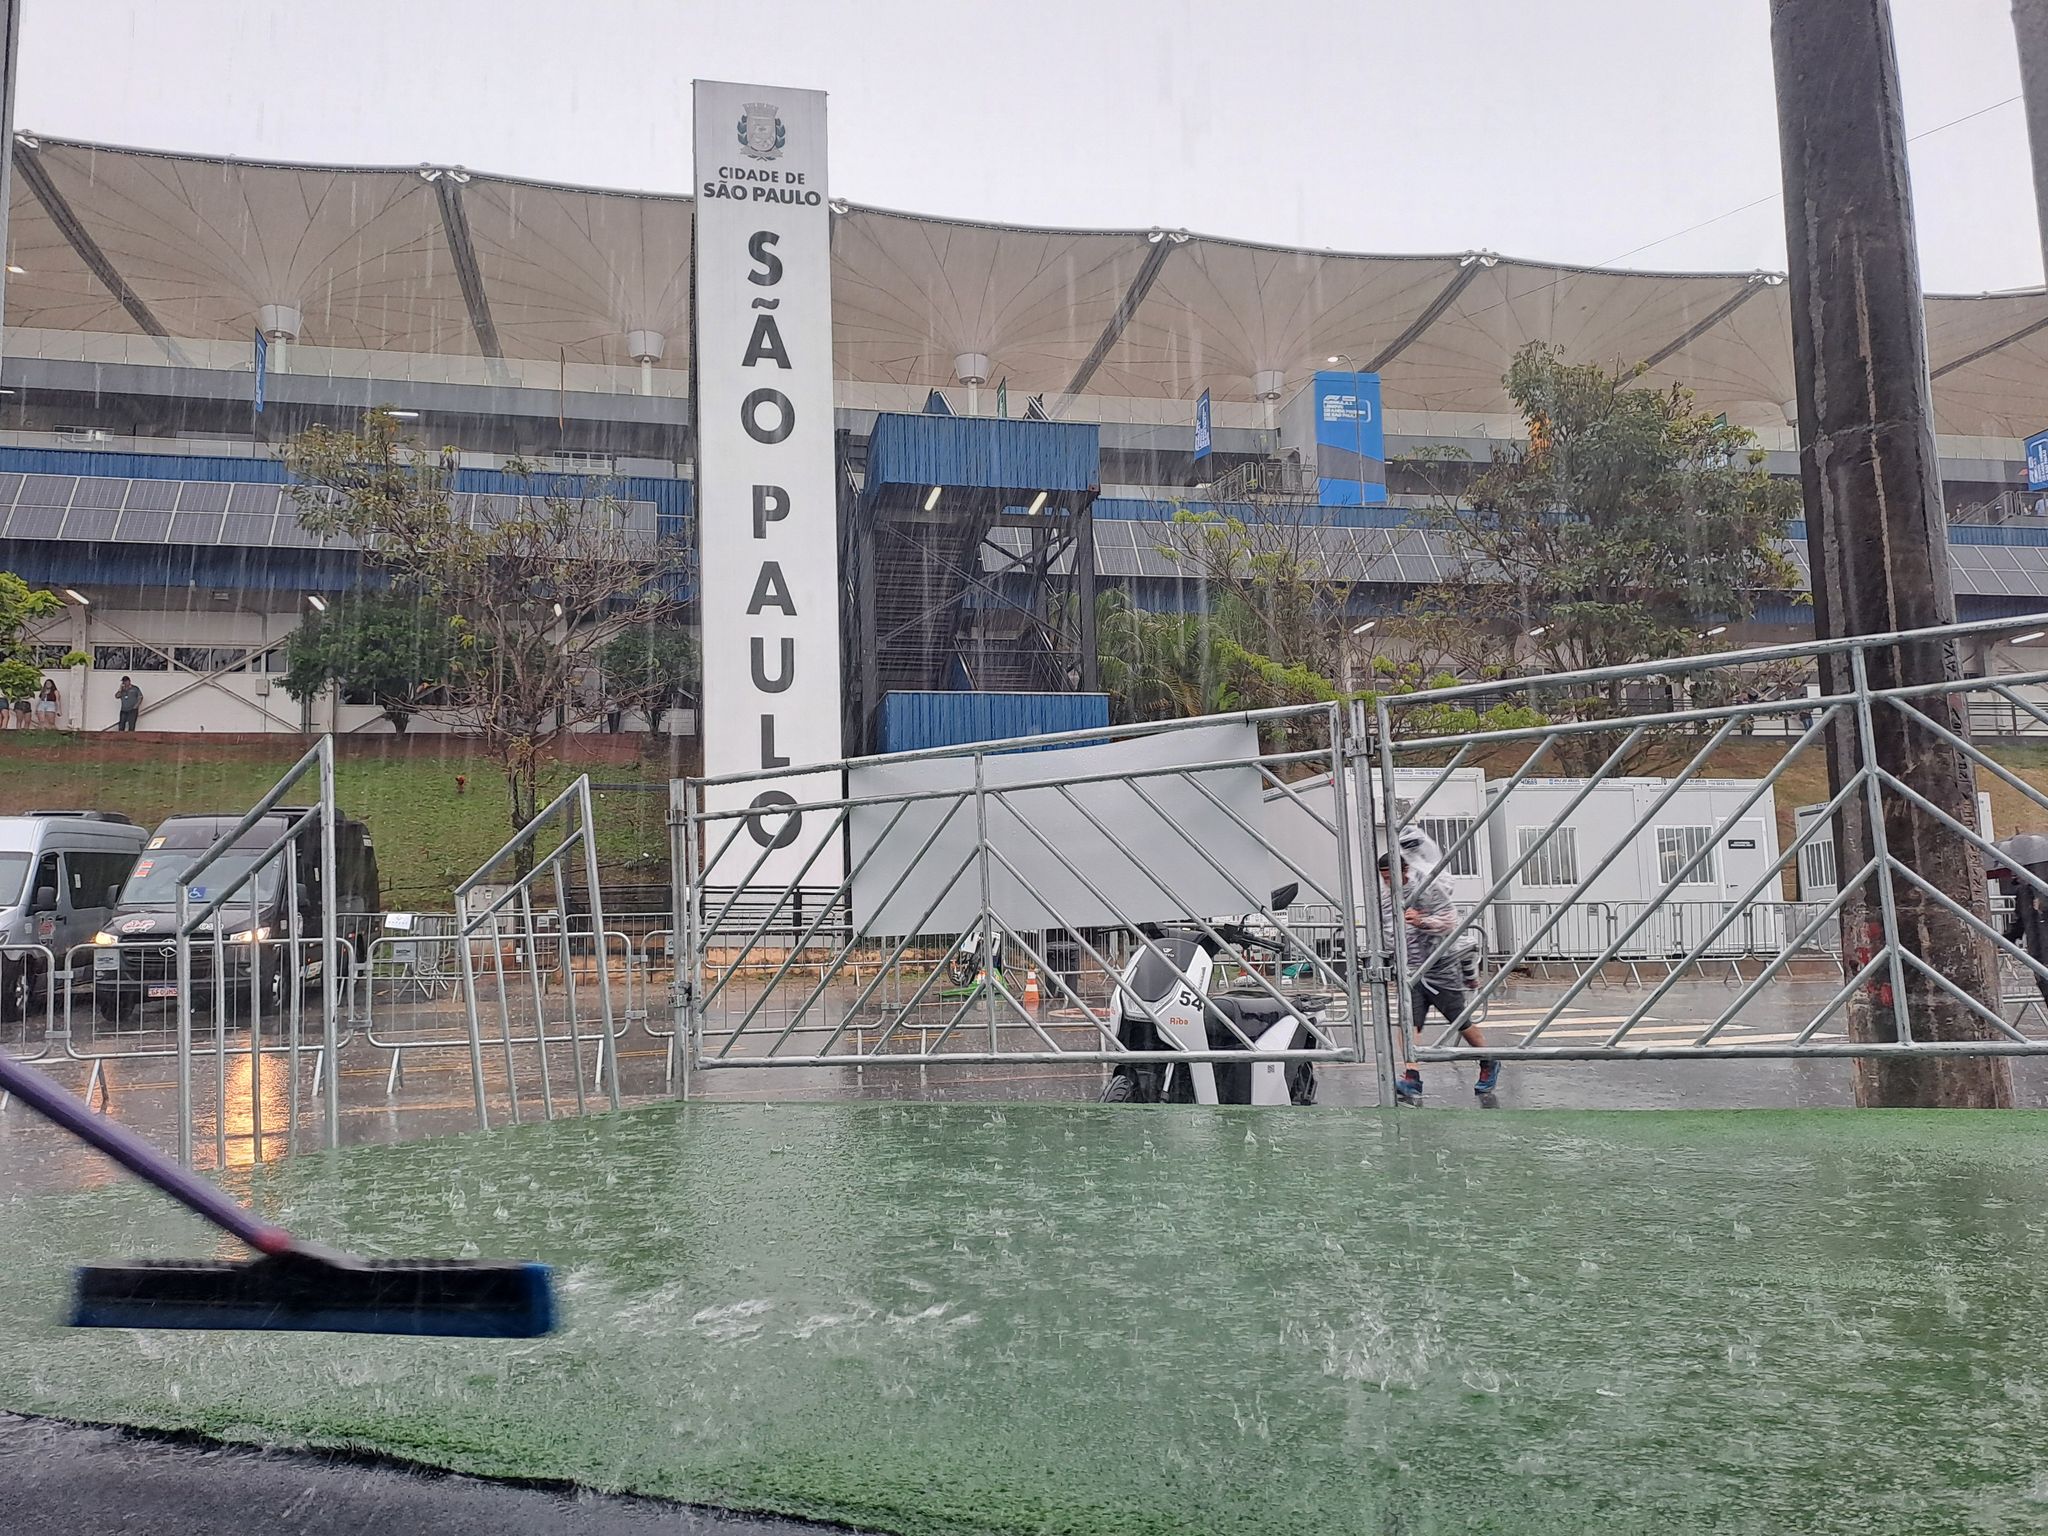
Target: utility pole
{"type": "Point", "coordinates": [2030, 31]}
{"type": "Point", "coordinates": [1879, 538]}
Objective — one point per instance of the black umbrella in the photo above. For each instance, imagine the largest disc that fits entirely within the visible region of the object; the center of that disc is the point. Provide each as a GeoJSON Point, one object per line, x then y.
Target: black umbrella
{"type": "Point", "coordinates": [2024, 850]}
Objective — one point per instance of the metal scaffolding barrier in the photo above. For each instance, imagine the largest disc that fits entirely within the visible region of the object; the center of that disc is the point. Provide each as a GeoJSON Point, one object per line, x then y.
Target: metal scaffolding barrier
{"type": "Point", "coordinates": [1758, 924]}
{"type": "Point", "coordinates": [481, 927]}
{"type": "Point", "coordinates": [975, 875]}
{"type": "Point", "coordinates": [211, 917]}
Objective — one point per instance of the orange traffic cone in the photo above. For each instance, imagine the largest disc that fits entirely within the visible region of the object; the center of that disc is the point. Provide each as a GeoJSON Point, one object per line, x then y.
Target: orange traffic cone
{"type": "Point", "coordinates": [1031, 990]}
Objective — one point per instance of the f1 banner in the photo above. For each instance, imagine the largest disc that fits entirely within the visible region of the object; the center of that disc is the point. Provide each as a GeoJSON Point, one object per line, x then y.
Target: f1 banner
{"type": "Point", "coordinates": [767, 514]}
{"type": "Point", "coordinates": [1351, 440]}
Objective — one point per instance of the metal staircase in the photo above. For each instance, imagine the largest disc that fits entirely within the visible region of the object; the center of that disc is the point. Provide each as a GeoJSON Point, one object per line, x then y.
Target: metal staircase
{"type": "Point", "coordinates": [924, 566]}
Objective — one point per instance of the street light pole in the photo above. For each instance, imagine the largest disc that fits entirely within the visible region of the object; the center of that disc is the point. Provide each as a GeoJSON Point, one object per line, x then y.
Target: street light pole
{"type": "Point", "coordinates": [1344, 656]}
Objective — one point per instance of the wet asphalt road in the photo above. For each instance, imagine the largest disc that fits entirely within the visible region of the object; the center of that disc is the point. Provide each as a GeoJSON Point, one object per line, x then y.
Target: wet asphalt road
{"type": "Point", "coordinates": [435, 1094]}
{"type": "Point", "coordinates": [84, 1480]}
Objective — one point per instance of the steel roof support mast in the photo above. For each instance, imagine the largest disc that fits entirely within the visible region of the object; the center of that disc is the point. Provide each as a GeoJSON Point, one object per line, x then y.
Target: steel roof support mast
{"type": "Point", "coordinates": [10, 34]}
{"type": "Point", "coordinates": [1873, 504]}
{"type": "Point", "coordinates": [2030, 30]}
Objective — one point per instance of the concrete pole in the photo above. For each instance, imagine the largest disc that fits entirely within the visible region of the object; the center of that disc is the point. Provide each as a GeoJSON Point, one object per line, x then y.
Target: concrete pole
{"type": "Point", "coordinates": [2030, 31]}
{"type": "Point", "coordinates": [1874, 513]}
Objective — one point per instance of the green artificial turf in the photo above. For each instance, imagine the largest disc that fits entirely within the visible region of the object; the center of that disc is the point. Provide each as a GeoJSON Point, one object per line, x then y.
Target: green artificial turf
{"type": "Point", "coordinates": [1057, 1318]}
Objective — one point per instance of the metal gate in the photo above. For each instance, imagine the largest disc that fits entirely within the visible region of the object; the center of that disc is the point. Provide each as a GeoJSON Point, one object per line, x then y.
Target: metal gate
{"type": "Point", "coordinates": [987, 918]}
{"type": "Point", "coordinates": [207, 923]}
{"type": "Point", "coordinates": [510, 951]}
{"type": "Point", "coordinates": [1759, 925]}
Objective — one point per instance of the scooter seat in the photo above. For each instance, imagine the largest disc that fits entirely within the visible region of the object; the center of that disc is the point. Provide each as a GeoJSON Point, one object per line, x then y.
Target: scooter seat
{"type": "Point", "coordinates": [1255, 1013]}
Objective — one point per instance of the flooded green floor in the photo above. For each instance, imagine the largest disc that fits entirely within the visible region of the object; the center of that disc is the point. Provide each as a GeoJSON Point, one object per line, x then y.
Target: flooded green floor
{"type": "Point", "coordinates": [1047, 1318]}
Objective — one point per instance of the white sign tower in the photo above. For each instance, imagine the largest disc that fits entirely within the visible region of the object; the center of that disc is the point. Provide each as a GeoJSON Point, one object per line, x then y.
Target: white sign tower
{"type": "Point", "coordinates": [767, 515]}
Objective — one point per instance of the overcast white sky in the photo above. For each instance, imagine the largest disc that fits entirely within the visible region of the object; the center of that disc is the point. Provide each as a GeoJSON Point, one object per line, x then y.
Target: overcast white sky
{"type": "Point", "coordinates": [1578, 130]}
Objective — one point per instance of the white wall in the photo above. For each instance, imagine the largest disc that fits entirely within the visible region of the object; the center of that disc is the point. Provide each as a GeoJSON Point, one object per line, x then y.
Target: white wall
{"type": "Point", "coordinates": [173, 699]}
{"type": "Point", "coordinates": [1613, 901]}
{"type": "Point", "coordinates": [237, 702]}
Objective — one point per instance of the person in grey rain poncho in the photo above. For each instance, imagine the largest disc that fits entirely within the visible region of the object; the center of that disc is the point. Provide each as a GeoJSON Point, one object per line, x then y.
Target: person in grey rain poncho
{"type": "Point", "coordinates": [1422, 857]}
{"type": "Point", "coordinates": [1435, 980]}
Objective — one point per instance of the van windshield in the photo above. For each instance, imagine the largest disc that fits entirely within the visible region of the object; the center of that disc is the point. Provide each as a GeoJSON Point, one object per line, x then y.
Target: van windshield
{"type": "Point", "coordinates": [155, 880]}
{"type": "Point", "coordinates": [13, 875]}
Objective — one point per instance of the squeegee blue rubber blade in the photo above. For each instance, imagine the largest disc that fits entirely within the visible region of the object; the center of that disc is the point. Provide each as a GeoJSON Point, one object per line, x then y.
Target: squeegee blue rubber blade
{"type": "Point", "coordinates": [409, 1297]}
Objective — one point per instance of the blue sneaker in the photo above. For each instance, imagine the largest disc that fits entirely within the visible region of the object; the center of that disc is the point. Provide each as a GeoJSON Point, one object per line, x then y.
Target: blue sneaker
{"type": "Point", "coordinates": [1408, 1087]}
{"type": "Point", "coordinates": [1489, 1077]}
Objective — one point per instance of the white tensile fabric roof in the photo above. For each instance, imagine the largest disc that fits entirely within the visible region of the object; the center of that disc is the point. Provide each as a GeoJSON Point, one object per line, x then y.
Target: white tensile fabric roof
{"type": "Point", "coordinates": [366, 255]}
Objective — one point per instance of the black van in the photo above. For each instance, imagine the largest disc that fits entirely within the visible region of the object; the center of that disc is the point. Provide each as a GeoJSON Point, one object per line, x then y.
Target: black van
{"type": "Point", "coordinates": [135, 960]}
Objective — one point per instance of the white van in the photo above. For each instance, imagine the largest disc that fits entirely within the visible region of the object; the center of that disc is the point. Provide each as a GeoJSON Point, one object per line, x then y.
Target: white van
{"type": "Point", "coordinates": [61, 873]}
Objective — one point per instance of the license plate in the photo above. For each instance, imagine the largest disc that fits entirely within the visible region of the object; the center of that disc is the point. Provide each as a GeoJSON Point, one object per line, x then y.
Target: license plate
{"type": "Point", "coordinates": [163, 991]}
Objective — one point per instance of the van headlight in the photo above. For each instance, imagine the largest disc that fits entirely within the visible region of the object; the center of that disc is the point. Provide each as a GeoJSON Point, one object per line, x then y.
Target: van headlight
{"type": "Point", "coordinates": [104, 939]}
{"type": "Point", "coordinates": [249, 936]}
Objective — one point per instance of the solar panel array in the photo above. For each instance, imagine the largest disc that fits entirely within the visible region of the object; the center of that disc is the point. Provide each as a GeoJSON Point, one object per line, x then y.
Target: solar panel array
{"type": "Point", "coordinates": [1417, 557]}
{"type": "Point", "coordinates": [243, 515]}
{"type": "Point", "coordinates": [1405, 556]}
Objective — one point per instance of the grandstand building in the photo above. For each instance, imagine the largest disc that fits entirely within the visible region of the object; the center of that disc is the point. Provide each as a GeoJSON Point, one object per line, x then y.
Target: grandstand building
{"type": "Point", "coordinates": [509, 319]}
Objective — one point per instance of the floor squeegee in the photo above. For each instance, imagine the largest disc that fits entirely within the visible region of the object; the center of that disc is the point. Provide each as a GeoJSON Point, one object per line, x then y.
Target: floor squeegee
{"type": "Point", "coordinates": [290, 1284]}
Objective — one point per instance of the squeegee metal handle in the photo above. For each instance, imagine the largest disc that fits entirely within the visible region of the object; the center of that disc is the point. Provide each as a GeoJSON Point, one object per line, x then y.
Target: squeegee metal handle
{"type": "Point", "coordinates": [201, 1196]}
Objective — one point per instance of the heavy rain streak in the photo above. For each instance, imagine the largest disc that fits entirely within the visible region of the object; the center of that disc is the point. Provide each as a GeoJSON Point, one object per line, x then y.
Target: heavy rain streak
{"type": "Point", "coordinates": [1092, 770]}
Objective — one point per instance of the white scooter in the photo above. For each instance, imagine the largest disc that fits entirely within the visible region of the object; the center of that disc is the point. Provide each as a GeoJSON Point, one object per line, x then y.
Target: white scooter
{"type": "Point", "coordinates": [1170, 981]}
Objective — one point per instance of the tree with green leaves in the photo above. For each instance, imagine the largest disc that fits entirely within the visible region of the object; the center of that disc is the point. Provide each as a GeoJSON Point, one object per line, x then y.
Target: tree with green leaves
{"type": "Point", "coordinates": [394, 646]}
{"type": "Point", "coordinates": [536, 584]}
{"type": "Point", "coordinates": [1172, 665]}
{"type": "Point", "coordinates": [1625, 527]}
{"type": "Point", "coordinates": [20, 606]}
{"type": "Point", "coordinates": [1274, 623]}
{"type": "Point", "coordinates": [1156, 666]}
{"type": "Point", "coordinates": [1268, 582]}
{"type": "Point", "coordinates": [655, 666]}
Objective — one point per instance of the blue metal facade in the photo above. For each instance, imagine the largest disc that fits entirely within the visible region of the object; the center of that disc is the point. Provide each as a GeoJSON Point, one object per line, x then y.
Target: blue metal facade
{"type": "Point", "coordinates": [983, 453]}
{"type": "Point", "coordinates": [48, 563]}
{"type": "Point", "coordinates": [912, 722]}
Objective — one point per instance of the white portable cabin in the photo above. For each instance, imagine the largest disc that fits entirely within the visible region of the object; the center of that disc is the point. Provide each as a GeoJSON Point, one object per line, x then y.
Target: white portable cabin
{"type": "Point", "coordinates": [1450, 813]}
{"type": "Point", "coordinates": [1820, 874]}
{"type": "Point", "coordinates": [1604, 911]}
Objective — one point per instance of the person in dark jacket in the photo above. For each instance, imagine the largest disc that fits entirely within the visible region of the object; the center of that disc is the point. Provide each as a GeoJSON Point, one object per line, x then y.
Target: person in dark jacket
{"type": "Point", "coordinates": [2028, 925]}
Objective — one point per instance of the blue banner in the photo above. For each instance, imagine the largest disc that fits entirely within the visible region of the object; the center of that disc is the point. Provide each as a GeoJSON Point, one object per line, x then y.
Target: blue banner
{"type": "Point", "coordinates": [1202, 434]}
{"type": "Point", "coordinates": [262, 368]}
{"type": "Point", "coordinates": [2037, 462]}
{"type": "Point", "coordinates": [1351, 440]}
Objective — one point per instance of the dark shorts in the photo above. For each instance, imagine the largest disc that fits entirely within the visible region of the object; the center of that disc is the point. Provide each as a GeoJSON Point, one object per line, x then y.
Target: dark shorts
{"type": "Point", "coordinates": [1446, 997]}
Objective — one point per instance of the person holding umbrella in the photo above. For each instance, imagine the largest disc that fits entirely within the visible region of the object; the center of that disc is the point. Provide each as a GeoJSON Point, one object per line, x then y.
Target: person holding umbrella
{"type": "Point", "coordinates": [2028, 926]}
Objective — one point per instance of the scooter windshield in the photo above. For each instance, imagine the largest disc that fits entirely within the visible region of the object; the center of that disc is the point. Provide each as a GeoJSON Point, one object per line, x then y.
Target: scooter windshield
{"type": "Point", "coordinates": [1159, 973]}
